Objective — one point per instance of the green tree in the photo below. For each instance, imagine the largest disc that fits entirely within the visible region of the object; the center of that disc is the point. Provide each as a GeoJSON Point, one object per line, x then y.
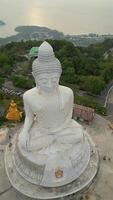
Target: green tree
{"type": "Point", "coordinates": [96, 51]}
{"type": "Point", "coordinates": [108, 43]}
{"type": "Point", "coordinates": [5, 64]}
{"type": "Point", "coordinates": [88, 66]}
{"type": "Point", "coordinates": [1, 81]}
{"type": "Point", "coordinates": [22, 81]}
{"type": "Point", "coordinates": [107, 73]}
{"type": "Point", "coordinates": [68, 71]}
{"type": "Point", "coordinates": [93, 84]}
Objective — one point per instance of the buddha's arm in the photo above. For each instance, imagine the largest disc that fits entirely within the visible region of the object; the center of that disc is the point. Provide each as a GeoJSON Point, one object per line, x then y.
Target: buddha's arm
{"type": "Point", "coordinates": [24, 135]}
{"type": "Point", "coordinates": [29, 117]}
{"type": "Point", "coordinates": [68, 118]}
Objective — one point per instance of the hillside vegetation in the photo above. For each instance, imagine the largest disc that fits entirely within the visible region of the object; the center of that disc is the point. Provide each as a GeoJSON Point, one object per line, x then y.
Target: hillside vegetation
{"type": "Point", "coordinates": [83, 68]}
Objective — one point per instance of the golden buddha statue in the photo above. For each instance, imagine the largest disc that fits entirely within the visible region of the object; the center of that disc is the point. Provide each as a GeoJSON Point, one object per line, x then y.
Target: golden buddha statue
{"type": "Point", "coordinates": [13, 113]}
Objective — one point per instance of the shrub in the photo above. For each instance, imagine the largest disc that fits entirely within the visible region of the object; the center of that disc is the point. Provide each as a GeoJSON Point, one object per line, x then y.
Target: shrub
{"type": "Point", "coordinates": [2, 94]}
{"type": "Point", "coordinates": [93, 84]}
{"type": "Point", "coordinates": [90, 102]}
{"type": "Point", "coordinates": [22, 81]}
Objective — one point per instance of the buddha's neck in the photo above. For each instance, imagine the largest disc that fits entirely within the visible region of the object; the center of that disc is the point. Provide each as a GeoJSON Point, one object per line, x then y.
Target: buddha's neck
{"type": "Point", "coordinates": [54, 93]}
{"type": "Point", "coordinates": [47, 94]}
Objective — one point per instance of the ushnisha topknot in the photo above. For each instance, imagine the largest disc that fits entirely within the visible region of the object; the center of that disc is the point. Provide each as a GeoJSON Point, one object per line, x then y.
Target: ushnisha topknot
{"type": "Point", "coordinates": [46, 61]}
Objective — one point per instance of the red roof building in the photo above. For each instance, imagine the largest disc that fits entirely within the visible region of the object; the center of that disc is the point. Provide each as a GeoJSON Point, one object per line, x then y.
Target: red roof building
{"type": "Point", "coordinates": [83, 112]}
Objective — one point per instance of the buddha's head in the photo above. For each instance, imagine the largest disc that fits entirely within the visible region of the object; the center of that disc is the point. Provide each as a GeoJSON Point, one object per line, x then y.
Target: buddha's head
{"type": "Point", "coordinates": [46, 69]}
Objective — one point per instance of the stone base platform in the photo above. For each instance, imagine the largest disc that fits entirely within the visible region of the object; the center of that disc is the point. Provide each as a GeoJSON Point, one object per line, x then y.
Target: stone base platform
{"type": "Point", "coordinates": [38, 192]}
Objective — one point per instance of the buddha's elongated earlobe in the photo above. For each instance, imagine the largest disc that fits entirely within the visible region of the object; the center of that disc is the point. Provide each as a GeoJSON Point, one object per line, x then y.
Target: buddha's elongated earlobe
{"type": "Point", "coordinates": [39, 90]}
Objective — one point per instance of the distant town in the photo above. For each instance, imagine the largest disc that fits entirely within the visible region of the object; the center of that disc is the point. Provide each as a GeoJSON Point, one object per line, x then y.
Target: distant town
{"type": "Point", "coordinates": [42, 33]}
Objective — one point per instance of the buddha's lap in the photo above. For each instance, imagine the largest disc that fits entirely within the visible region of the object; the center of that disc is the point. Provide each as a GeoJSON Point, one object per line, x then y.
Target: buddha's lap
{"type": "Point", "coordinates": [65, 137]}
{"type": "Point", "coordinates": [72, 128]}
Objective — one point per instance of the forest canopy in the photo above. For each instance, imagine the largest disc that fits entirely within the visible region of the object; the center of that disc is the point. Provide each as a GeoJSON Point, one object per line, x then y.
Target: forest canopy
{"type": "Point", "coordinates": [85, 67]}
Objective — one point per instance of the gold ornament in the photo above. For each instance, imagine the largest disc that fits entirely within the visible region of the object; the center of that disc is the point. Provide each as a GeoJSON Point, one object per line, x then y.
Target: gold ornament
{"type": "Point", "coordinates": [13, 113]}
{"type": "Point", "coordinates": [59, 172]}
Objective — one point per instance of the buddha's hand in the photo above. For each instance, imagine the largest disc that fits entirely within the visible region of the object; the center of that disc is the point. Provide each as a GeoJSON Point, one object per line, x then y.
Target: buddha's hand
{"type": "Point", "coordinates": [23, 139]}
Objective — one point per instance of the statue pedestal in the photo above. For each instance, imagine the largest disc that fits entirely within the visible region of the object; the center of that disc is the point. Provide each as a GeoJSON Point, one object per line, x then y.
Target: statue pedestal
{"type": "Point", "coordinates": [38, 192]}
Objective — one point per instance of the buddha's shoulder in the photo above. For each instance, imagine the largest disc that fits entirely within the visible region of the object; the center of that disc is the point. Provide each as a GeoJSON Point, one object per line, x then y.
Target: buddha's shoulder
{"type": "Point", "coordinates": [66, 90]}
{"type": "Point", "coordinates": [29, 93]}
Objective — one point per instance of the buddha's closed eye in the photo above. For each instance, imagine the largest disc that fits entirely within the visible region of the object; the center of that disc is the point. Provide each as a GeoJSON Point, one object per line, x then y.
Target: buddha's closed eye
{"type": "Point", "coordinates": [43, 81]}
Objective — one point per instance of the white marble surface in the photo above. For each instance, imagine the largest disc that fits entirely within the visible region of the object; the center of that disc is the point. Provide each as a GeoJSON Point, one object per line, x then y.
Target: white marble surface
{"type": "Point", "coordinates": [25, 186]}
{"type": "Point", "coordinates": [51, 140]}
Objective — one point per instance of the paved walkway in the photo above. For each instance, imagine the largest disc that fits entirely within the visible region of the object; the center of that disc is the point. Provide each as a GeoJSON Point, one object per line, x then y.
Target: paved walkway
{"type": "Point", "coordinates": [102, 189]}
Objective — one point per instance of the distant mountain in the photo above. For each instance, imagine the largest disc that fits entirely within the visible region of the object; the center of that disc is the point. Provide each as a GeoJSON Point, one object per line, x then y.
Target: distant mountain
{"type": "Point", "coordinates": [32, 33]}
{"type": "Point", "coordinates": [2, 23]}
{"type": "Point", "coordinates": [42, 33]}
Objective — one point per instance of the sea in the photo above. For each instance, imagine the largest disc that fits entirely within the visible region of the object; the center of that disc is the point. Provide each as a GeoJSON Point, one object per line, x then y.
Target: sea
{"type": "Point", "coordinates": [72, 17]}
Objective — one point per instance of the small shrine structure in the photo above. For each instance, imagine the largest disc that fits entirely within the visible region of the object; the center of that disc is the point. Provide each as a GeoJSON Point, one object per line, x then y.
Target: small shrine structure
{"type": "Point", "coordinates": [33, 52]}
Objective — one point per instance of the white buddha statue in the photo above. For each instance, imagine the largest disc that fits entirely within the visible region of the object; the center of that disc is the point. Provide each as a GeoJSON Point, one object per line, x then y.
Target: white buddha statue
{"type": "Point", "coordinates": [51, 140]}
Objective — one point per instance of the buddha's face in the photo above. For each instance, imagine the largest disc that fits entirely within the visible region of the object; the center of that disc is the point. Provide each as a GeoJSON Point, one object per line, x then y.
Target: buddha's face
{"type": "Point", "coordinates": [47, 82]}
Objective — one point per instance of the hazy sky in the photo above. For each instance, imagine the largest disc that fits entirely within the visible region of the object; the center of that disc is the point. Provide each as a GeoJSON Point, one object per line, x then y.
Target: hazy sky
{"type": "Point", "coordinates": [68, 16]}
